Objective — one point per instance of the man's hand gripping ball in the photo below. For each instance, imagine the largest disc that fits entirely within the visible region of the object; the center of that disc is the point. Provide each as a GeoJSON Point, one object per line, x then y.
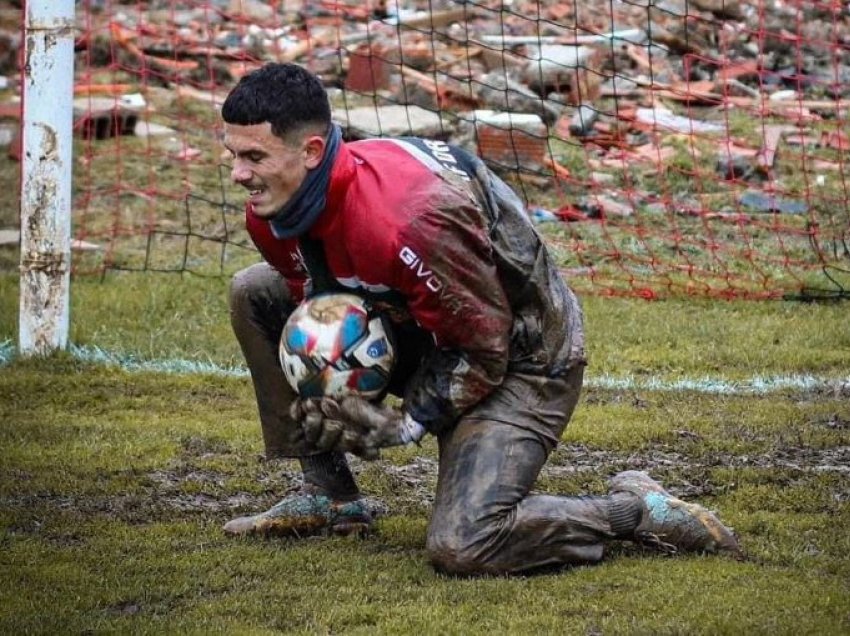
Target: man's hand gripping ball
{"type": "Point", "coordinates": [351, 424]}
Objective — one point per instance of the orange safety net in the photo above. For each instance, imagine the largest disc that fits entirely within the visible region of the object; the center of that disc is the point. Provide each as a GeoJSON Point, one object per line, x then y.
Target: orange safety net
{"type": "Point", "coordinates": [689, 147]}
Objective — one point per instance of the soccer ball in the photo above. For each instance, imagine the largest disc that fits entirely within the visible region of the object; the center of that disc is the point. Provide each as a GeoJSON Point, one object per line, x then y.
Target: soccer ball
{"type": "Point", "coordinates": [335, 345]}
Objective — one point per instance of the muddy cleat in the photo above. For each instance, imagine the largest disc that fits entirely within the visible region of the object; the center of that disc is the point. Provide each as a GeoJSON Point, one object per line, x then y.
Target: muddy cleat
{"type": "Point", "coordinates": [305, 514]}
{"type": "Point", "coordinates": [673, 525]}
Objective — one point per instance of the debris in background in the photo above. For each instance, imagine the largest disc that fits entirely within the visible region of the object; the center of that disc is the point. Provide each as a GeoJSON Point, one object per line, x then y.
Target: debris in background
{"type": "Point", "coordinates": [664, 119]}
{"type": "Point", "coordinates": [501, 93]}
{"type": "Point", "coordinates": [11, 112]}
{"type": "Point", "coordinates": [659, 89]}
{"type": "Point", "coordinates": [581, 123]}
{"type": "Point", "coordinates": [767, 153]}
{"type": "Point", "coordinates": [541, 215]}
{"type": "Point", "coordinates": [564, 69]}
{"type": "Point", "coordinates": [10, 236]}
{"type": "Point", "coordinates": [511, 139]}
{"type": "Point", "coordinates": [102, 118]}
{"type": "Point", "coordinates": [735, 167]}
{"type": "Point", "coordinates": [608, 207]}
{"type": "Point", "coordinates": [759, 201]}
{"type": "Point", "coordinates": [185, 153]}
{"type": "Point", "coordinates": [393, 121]}
{"type": "Point", "coordinates": [8, 131]}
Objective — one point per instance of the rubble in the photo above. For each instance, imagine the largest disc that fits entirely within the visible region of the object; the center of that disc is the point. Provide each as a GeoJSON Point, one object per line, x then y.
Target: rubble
{"type": "Point", "coordinates": [101, 118]}
{"type": "Point", "coordinates": [757, 201]}
{"type": "Point", "coordinates": [510, 140]}
{"type": "Point", "coordinates": [623, 82]}
{"type": "Point", "coordinates": [389, 121]}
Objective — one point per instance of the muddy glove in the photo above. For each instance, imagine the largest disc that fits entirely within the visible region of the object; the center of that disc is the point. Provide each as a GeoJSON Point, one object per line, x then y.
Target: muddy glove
{"type": "Point", "coordinates": [323, 428]}
{"type": "Point", "coordinates": [354, 425]}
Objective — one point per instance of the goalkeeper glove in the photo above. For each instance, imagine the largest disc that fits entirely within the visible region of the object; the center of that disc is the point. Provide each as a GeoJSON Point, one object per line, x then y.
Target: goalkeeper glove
{"type": "Point", "coordinates": [354, 425]}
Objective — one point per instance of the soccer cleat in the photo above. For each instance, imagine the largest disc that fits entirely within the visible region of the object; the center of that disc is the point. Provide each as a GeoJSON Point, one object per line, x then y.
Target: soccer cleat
{"type": "Point", "coordinates": [673, 525]}
{"type": "Point", "coordinates": [304, 514]}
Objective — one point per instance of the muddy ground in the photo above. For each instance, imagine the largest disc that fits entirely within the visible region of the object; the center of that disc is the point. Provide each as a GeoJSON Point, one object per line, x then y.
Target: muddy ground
{"type": "Point", "coordinates": [184, 489]}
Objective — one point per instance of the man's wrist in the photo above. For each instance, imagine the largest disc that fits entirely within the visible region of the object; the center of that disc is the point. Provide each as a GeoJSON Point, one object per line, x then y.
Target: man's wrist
{"type": "Point", "coordinates": [410, 430]}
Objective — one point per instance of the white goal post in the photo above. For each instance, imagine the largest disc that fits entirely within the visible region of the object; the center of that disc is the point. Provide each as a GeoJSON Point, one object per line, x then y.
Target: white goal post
{"type": "Point", "coordinates": [47, 85]}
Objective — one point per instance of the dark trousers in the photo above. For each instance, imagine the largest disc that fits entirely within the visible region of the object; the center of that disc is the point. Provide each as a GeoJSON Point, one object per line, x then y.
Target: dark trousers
{"type": "Point", "coordinates": [484, 520]}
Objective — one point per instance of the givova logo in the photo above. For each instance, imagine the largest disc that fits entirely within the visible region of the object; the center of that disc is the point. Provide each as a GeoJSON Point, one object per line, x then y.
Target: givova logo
{"type": "Point", "coordinates": [414, 263]}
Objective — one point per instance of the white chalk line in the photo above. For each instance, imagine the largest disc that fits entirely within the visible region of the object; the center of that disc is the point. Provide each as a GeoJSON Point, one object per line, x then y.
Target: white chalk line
{"type": "Point", "coordinates": [756, 385]}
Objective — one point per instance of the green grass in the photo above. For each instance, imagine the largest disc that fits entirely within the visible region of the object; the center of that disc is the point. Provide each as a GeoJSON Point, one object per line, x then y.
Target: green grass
{"type": "Point", "coordinates": [164, 316]}
{"type": "Point", "coordinates": [114, 485]}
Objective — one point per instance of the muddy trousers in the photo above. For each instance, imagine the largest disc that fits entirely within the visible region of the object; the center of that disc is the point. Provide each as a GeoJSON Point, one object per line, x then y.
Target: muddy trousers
{"type": "Point", "coordinates": [484, 520]}
{"type": "Point", "coordinates": [260, 303]}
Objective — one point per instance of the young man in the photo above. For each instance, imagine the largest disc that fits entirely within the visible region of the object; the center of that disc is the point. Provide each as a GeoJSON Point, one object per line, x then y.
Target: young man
{"type": "Point", "coordinates": [491, 345]}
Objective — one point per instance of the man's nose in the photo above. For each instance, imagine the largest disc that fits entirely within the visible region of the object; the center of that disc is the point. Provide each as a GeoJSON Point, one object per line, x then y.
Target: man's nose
{"type": "Point", "coordinates": [239, 173]}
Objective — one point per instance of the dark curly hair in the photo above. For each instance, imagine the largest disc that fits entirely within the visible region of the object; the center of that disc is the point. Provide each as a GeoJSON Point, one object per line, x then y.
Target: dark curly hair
{"type": "Point", "coordinates": [287, 96]}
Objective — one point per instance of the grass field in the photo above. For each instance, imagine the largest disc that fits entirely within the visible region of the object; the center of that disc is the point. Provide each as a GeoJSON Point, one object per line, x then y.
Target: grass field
{"type": "Point", "coordinates": [114, 483]}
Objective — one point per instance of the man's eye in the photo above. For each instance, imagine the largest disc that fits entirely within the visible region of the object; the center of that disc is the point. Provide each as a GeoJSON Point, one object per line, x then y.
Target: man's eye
{"type": "Point", "coordinates": [254, 157]}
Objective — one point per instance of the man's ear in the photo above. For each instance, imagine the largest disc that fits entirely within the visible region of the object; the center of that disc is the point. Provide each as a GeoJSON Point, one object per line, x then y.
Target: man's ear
{"type": "Point", "coordinates": [314, 150]}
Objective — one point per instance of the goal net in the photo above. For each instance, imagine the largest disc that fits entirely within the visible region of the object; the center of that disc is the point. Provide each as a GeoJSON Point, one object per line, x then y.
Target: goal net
{"type": "Point", "coordinates": [686, 147]}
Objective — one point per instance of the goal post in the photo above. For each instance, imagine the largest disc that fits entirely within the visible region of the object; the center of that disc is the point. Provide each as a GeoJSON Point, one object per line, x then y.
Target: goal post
{"type": "Point", "coordinates": [47, 155]}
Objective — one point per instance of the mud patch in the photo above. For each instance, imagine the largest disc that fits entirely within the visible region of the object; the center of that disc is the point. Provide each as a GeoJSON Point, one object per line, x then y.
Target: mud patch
{"type": "Point", "coordinates": [579, 458]}
{"type": "Point", "coordinates": [416, 481]}
{"type": "Point", "coordinates": [179, 477]}
{"type": "Point", "coordinates": [208, 503]}
{"type": "Point", "coordinates": [194, 446]}
{"type": "Point", "coordinates": [187, 490]}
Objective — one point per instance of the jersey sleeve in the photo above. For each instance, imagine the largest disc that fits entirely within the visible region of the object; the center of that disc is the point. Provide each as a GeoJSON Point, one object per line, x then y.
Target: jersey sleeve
{"type": "Point", "coordinates": [446, 271]}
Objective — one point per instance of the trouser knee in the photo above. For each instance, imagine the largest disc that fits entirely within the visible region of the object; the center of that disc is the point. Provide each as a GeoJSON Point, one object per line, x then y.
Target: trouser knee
{"type": "Point", "coordinates": [461, 551]}
{"type": "Point", "coordinates": [251, 284]}
{"type": "Point", "coordinates": [258, 298]}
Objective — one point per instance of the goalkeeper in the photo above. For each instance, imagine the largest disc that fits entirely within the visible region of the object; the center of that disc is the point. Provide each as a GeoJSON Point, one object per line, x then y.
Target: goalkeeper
{"type": "Point", "coordinates": [490, 339]}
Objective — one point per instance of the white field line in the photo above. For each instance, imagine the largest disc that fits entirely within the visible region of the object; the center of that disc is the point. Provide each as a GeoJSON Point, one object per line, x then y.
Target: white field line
{"type": "Point", "coordinates": [756, 385]}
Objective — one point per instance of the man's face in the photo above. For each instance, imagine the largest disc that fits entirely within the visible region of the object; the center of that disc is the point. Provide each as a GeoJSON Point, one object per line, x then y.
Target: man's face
{"type": "Point", "coordinates": [270, 168]}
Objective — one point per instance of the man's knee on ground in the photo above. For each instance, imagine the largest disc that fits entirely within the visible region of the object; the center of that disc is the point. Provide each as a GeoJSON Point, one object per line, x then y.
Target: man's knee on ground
{"type": "Point", "coordinates": [462, 551]}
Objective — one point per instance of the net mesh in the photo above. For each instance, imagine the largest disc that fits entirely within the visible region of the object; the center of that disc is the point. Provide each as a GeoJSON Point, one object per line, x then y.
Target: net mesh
{"type": "Point", "coordinates": [663, 148]}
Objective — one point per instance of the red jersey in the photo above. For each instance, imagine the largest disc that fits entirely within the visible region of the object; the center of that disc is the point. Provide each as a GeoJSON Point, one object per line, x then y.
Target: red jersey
{"type": "Point", "coordinates": [432, 226]}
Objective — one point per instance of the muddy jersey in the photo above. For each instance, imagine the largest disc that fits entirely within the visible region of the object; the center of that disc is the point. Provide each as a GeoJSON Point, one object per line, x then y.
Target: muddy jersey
{"type": "Point", "coordinates": [428, 228]}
